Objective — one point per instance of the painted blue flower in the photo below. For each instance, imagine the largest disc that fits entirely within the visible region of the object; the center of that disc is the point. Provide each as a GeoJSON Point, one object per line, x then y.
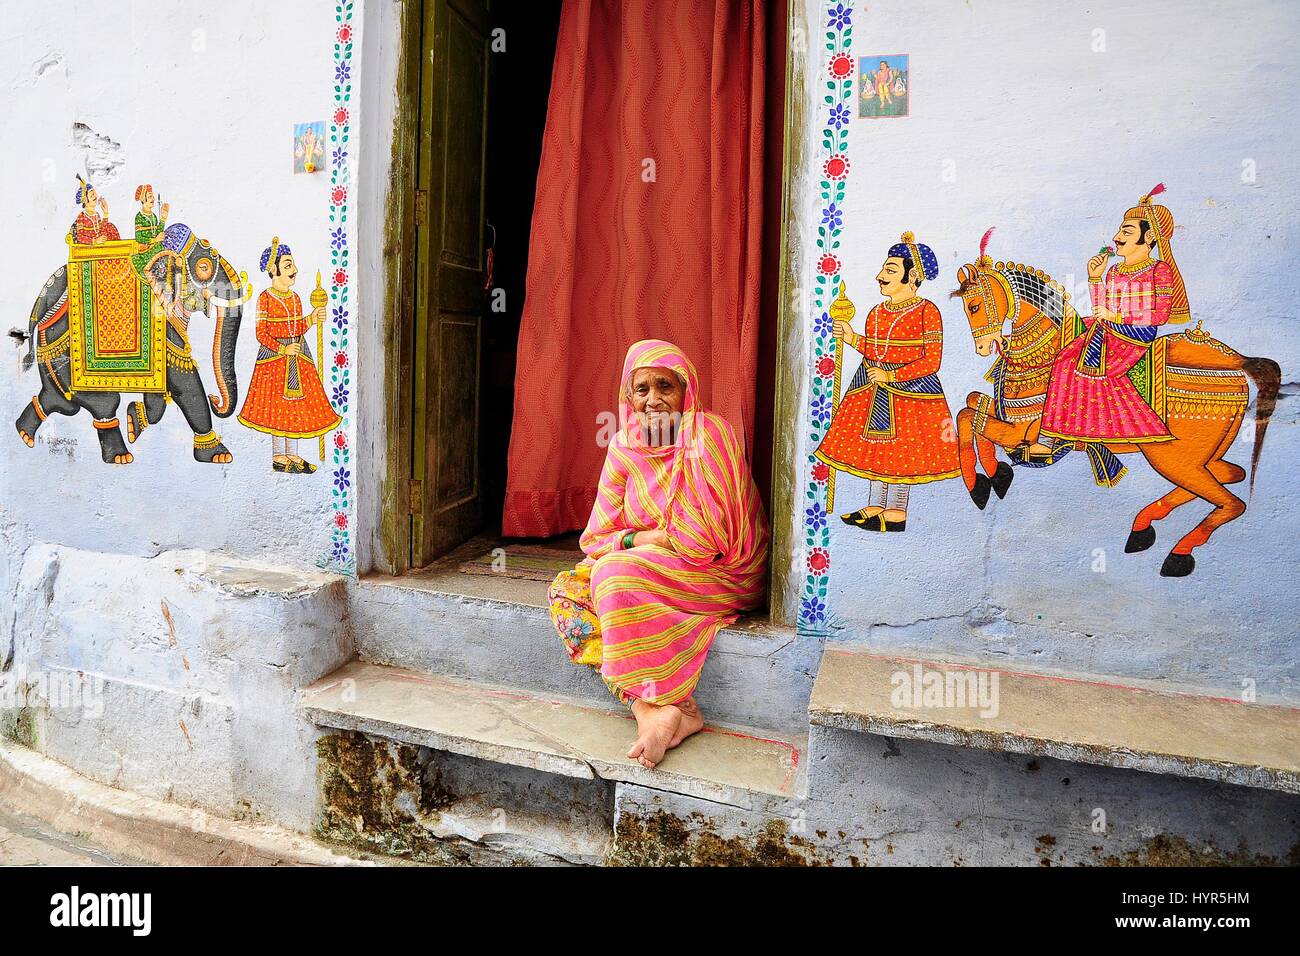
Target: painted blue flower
{"type": "Point", "coordinates": [342, 72]}
{"type": "Point", "coordinates": [340, 157]}
{"type": "Point", "coordinates": [339, 314]}
{"type": "Point", "coordinates": [839, 117]}
{"type": "Point", "coordinates": [814, 518]}
{"type": "Point", "coordinates": [821, 409]}
{"type": "Point", "coordinates": [822, 324]}
{"type": "Point", "coordinates": [342, 479]}
{"type": "Point", "coordinates": [340, 396]}
{"type": "Point", "coordinates": [339, 551]}
{"type": "Point", "coordinates": [832, 217]}
{"type": "Point", "coordinates": [838, 18]}
{"type": "Point", "coordinates": [338, 238]}
{"type": "Point", "coordinates": [812, 611]}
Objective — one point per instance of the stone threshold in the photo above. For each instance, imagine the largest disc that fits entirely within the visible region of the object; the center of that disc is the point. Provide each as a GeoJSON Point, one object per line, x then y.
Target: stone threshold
{"type": "Point", "coordinates": [1089, 720]}
{"type": "Point", "coordinates": [729, 765]}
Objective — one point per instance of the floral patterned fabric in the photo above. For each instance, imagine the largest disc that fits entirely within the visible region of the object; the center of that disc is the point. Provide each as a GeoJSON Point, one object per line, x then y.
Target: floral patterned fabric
{"type": "Point", "coordinates": [574, 616]}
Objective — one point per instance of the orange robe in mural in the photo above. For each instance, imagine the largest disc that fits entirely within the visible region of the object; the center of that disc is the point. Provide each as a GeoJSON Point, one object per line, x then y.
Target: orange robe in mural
{"type": "Point", "coordinates": [900, 431]}
{"type": "Point", "coordinates": [285, 395]}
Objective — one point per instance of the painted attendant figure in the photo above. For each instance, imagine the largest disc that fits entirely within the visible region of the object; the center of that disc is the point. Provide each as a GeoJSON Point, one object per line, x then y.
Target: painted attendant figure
{"type": "Point", "coordinates": [91, 226]}
{"type": "Point", "coordinates": [893, 425]}
{"type": "Point", "coordinates": [1090, 397]}
{"type": "Point", "coordinates": [285, 397]}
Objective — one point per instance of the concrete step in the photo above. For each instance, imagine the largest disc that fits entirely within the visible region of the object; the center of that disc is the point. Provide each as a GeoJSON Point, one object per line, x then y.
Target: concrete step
{"type": "Point", "coordinates": [497, 630]}
{"type": "Point", "coordinates": [730, 765]}
{"type": "Point", "coordinates": [1081, 719]}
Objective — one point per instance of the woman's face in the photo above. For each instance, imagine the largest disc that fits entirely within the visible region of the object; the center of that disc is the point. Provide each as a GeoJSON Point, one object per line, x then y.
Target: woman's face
{"type": "Point", "coordinates": [657, 396]}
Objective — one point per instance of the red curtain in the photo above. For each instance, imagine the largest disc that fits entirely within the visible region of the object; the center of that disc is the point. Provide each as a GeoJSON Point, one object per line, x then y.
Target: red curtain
{"type": "Point", "coordinates": [647, 224]}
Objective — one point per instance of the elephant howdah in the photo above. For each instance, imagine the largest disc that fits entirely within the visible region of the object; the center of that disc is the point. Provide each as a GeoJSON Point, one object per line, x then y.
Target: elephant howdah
{"type": "Point", "coordinates": [132, 335]}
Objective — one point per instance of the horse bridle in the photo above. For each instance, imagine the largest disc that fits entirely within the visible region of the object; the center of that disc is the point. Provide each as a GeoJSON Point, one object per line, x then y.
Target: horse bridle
{"type": "Point", "coordinates": [983, 278]}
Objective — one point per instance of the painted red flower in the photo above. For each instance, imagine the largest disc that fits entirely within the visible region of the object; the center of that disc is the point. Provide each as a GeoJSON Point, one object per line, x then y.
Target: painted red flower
{"type": "Point", "coordinates": [341, 520]}
{"type": "Point", "coordinates": [825, 366]}
{"type": "Point", "coordinates": [829, 264]}
{"type": "Point", "coordinates": [340, 440]}
{"type": "Point", "coordinates": [821, 471]}
{"type": "Point", "coordinates": [340, 278]}
{"type": "Point", "coordinates": [841, 66]}
{"type": "Point", "coordinates": [345, 33]}
{"type": "Point", "coordinates": [341, 116]}
{"type": "Point", "coordinates": [339, 196]}
{"type": "Point", "coordinates": [341, 359]}
{"type": "Point", "coordinates": [837, 167]}
{"type": "Point", "coordinates": [818, 561]}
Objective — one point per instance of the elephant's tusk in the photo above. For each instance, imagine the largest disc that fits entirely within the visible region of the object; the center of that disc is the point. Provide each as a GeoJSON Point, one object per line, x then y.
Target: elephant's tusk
{"type": "Point", "coordinates": [247, 294]}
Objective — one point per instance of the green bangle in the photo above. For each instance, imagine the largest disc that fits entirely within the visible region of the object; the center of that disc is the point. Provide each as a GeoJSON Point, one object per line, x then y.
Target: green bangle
{"type": "Point", "coordinates": [628, 539]}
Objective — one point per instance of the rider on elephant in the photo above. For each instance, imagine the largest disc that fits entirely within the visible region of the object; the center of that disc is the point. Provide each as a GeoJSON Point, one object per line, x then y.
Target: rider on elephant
{"type": "Point", "coordinates": [1090, 397]}
{"type": "Point", "coordinates": [149, 230]}
{"type": "Point", "coordinates": [91, 226]}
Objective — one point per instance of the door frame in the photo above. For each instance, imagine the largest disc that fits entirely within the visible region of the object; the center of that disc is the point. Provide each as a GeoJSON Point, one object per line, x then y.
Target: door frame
{"type": "Point", "coordinates": [398, 304]}
{"type": "Point", "coordinates": [397, 324]}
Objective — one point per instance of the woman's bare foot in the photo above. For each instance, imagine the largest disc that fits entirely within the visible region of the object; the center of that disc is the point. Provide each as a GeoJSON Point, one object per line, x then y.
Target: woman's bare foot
{"type": "Point", "coordinates": [692, 721]}
{"type": "Point", "coordinates": [656, 728]}
{"type": "Point", "coordinates": [660, 729]}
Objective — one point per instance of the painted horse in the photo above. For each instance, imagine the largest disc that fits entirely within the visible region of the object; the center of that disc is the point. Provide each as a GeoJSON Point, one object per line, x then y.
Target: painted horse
{"type": "Point", "coordinates": [188, 275]}
{"type": "Point", "coordinates": [1196, 384]}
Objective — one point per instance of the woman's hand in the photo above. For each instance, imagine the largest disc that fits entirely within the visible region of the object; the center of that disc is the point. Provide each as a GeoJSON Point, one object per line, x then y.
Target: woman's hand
{"type": "Point", "coordinates": [657, 536]}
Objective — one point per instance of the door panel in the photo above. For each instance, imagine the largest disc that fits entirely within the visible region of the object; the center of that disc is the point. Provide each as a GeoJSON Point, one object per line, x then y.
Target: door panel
{"type": "Point", "coordinates": [449, 300]}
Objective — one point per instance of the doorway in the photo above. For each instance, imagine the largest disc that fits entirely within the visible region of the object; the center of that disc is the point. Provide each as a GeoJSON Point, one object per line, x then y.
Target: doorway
{"type": "Point", "coordinates": [481, 74]}
{"type": "Point", "coordinates": [484, 75]}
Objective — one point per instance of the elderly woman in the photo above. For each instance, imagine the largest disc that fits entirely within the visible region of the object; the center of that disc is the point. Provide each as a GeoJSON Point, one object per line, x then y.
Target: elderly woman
{"type": "Point", "coordinates": [676, 548]}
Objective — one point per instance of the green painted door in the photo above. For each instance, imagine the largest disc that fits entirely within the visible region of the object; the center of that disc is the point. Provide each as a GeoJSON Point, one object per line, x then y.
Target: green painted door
{"type": "Point", "coordinates": [446, 503]}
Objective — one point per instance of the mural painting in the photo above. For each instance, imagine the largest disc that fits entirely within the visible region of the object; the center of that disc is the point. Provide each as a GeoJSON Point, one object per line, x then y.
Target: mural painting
{"type": "Point", "coordinates": [309, 147]}
{"type": "Point", "coordinates": [286, 399]}
{"type": "Point", "coordinates": [1110, 384]}
{"type": "Point", "coordinates": [1094, 388]}
{"type": "Point", "coordinates": [115, 319]}
{"type": "Point", "coordinates": [884, 86]}
{"type": "Point", "coordinates": [892, 426]}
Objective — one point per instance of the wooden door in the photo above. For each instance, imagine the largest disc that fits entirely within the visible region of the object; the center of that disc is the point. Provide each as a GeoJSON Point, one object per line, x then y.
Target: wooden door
{"type": "Point", "coordinates": [446, 505]}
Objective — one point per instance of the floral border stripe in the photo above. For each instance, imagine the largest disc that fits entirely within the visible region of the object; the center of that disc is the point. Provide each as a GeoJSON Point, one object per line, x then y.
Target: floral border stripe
{"type": "Point", "coordinates": [837, 101]}
{"type": "Point", "coordinates": [342, 555]}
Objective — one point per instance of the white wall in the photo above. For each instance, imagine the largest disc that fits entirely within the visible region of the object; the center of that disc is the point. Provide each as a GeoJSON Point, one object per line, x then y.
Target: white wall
{"type": "Point", "coordinates": [1050, 142]}
{"type": "Point", "coordinates": [200, 100]}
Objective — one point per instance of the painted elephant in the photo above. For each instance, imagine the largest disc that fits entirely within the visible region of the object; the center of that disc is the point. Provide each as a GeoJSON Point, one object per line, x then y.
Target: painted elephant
{"type": "Point", "coordinates": [189, 276]}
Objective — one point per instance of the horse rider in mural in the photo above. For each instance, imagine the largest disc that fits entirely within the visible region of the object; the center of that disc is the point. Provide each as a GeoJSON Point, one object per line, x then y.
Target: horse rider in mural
{"type": "Point", "coordinates": [893, 426]}
{"type": "Point", "coordinates": [285, 397]}
{"type": "Point", "coordinates": [1090, 397]}
{"type": "Point", "coordinates": [91, 226]}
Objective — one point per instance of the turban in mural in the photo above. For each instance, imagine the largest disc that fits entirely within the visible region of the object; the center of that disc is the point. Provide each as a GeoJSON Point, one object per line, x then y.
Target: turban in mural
{"type": "Point", "coordinates": [1161, 221]}
{"type": "Point", "coordinates": [914, 253]}
{"type": "Point", "coordinates": [82, 188]}
{"type": "Point", "coordinates": [276, 249]}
